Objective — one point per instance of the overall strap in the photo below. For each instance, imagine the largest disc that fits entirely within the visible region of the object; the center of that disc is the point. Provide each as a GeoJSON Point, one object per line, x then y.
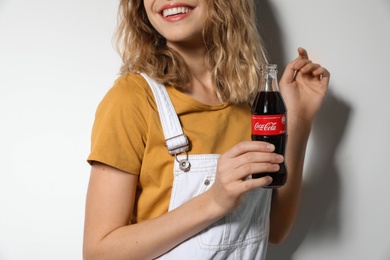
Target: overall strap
{"type": "Point", "coordinates": [175, 140]}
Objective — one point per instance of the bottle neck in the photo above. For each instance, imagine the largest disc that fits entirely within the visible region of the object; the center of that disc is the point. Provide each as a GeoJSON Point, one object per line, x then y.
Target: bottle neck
{"type": "Point", "coordinates": [270, 78]}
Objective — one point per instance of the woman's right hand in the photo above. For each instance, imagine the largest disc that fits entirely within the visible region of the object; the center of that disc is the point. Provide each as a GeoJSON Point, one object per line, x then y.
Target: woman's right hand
{"type": "Point", "coordinates": [234, 167]}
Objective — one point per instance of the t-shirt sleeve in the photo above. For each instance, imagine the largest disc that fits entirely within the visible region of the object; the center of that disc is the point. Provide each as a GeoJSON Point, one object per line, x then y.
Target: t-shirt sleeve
{"type": "Point", "coordinates": [120, 127]}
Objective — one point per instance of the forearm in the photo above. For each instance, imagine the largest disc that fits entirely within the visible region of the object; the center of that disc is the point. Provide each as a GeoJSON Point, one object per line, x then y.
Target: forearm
{"type": "Point", "coordinates": [152, 238]}
{"type": "Point", "coordinates": [285, 200]}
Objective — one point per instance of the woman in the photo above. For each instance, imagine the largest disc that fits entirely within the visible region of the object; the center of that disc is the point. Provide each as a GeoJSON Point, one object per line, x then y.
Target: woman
{"type": "Point", "coordinates": [195, 200]}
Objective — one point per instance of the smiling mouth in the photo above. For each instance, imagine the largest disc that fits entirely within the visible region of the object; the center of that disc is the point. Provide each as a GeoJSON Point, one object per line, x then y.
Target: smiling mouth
{"type": "Point", "coordinates": [175, 11]}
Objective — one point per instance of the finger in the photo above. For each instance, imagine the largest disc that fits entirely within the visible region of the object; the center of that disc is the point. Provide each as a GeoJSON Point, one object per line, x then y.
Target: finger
{"type": "Point", "coordinates": [249, 146]}
{"type": "Point", "coordinates": [291, 69]}
{"type": "Point", "coordinates": [259, 157]}
{"type": "Point", "coordinates": [253, 168]}
{"type": "Point", "coordinates": [309, 68]}
{"type": "Point", "coordinates": [251, 184]}
{"type": "Point", "coordinates": [300, 63]}
{"type": "Point", "coordinates": [303, 53]}
{"type": "Point", "coordinates": [251, 163]}
{"type": "Point", "coordinates": [289, 73]}
{"type": "Point", "coordinates": [322, 73]}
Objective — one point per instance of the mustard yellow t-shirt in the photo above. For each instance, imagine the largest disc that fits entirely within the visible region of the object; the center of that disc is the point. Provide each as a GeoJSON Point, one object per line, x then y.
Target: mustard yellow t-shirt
{"type": "Point", "coordinates": [127, 135]}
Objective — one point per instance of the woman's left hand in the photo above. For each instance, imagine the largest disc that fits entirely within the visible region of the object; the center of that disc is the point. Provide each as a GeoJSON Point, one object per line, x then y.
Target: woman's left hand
{"type": "Point", "coordinates": [303, 86]}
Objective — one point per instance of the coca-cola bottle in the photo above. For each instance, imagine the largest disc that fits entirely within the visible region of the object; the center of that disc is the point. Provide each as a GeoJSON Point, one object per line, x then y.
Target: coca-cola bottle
{"type": "Point", "coordinates": [269, 120]}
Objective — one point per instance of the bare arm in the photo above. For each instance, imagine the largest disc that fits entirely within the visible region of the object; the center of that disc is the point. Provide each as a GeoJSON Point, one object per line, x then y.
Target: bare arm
{"type": "Point", "coordinates": [111, 195]}
{"type": "Point", "coordinates": [303, 86]}
{"type": "Point", "coordinates": [110, 201]}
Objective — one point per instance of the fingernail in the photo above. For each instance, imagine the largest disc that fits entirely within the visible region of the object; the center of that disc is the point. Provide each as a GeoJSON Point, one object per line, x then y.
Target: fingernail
{"type": "Point", "coordinates": [270, 147]}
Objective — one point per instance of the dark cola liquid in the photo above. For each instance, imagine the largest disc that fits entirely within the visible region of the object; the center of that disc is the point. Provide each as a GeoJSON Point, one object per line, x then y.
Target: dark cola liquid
{"type": "Point", "coordinates": [271, 103]}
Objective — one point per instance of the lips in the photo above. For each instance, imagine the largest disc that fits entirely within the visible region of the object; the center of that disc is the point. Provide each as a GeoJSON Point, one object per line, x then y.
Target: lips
{"type": "Point", "coordinates": [175, 11]}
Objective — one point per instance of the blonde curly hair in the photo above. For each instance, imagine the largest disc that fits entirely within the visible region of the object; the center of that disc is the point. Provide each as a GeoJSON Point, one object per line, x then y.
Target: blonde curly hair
{"type": "Point", "coordinates": [234, 48]}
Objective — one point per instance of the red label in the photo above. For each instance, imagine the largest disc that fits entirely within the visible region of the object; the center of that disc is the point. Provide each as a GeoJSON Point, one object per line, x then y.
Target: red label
{"type": "Point", "coordinates": [269, 124]}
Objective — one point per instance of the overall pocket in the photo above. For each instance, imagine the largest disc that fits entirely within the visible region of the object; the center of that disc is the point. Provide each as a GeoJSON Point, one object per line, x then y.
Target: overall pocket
{"type": "Point", "coordinates": [246, 225]}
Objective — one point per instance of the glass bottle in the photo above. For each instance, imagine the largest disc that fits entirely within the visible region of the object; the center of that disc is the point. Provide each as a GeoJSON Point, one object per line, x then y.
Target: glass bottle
{"type": "Point", "coordinates": [269, 121]}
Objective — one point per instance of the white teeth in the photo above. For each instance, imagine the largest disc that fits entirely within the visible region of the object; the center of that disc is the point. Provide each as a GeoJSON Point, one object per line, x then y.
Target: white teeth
{"type": "Point", "coordinates": [175, 11]}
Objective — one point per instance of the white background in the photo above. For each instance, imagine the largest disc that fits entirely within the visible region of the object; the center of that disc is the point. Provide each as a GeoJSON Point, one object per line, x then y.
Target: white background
{"type": "Point", "coordinates": [57, 61]}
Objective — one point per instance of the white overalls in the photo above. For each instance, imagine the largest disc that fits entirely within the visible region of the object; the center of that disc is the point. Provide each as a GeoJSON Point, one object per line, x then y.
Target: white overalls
{"type": "Point", "coordinates": [242, 234]}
